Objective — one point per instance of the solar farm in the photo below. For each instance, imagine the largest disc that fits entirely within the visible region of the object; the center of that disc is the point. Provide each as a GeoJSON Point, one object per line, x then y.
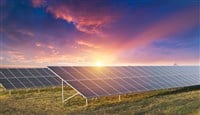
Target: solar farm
{"type": "Point", "coordinates": [87, 86]}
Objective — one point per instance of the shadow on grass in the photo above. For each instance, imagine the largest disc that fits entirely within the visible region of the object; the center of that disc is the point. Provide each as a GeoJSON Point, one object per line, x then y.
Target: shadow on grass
{"type": "Point", "coordinates": [178, 90]}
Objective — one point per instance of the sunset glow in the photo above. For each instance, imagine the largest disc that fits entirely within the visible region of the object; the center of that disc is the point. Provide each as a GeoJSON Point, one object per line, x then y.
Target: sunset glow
{"type": "Point", "coordinates": [99, 64]}
{"type": "Point", "coordinates": [99, 32]}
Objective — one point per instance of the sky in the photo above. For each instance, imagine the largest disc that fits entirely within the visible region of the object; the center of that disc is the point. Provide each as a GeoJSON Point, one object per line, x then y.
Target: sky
{"type": "Point", "coordinates": [99, 32]}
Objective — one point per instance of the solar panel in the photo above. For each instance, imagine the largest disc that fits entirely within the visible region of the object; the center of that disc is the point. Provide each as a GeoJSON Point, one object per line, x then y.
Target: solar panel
{"type": "Point", "coordinates": [104, 81]}
{"type": "Point", "coordinates": [17, 78]}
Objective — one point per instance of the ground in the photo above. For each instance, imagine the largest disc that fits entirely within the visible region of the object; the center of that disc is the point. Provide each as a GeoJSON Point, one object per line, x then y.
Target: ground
{"type": "Point", "coordinates": [48, 101]}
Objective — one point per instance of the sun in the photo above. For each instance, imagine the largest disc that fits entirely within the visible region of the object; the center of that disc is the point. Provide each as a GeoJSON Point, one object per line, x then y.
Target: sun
{"type": "Point", "coordinates": [99, 64]}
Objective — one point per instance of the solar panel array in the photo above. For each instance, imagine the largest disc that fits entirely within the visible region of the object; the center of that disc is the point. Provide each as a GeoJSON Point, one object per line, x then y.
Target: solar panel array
{"type": "Point", "coordinates": [13, 78]}
{"type": "Point", "coordinates": [104, 81]}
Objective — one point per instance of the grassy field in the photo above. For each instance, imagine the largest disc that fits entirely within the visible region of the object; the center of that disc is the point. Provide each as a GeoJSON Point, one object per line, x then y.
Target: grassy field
{"type": "Point", "coordinates": [48, 101]}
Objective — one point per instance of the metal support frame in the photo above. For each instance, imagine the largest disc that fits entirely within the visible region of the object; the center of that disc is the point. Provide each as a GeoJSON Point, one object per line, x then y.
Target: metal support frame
{"type": "Point", "coordinates": [63, 98]}
{"type": "Point", "coordinates": [70, 97]}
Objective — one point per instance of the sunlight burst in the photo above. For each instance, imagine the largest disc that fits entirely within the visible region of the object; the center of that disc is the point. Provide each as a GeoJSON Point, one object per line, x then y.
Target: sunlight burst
{"type": "Point", "coordinates": [99, 64]}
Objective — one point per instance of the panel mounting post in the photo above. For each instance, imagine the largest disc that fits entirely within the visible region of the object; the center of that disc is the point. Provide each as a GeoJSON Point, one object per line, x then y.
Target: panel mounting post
{"type": "Point", "coordinates": [119, 98]}
{"type": "Point", "coordinates": [86, 102]}
{"type": "Point", "coordinates": [10, 92]}
{"type": "Point", "coordinates": [38, 90]}
{"type": "Point", "coordinates": [62, 92]}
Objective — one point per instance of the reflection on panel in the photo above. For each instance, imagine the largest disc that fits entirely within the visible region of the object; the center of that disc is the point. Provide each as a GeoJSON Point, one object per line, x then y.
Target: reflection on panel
{"type": "Point", "coordinates": [104, 81]}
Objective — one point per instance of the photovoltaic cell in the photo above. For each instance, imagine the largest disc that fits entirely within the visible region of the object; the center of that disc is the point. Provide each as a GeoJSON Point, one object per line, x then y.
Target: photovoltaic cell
{"type": "Point", "coordinates": [18, 78]}
{"type": "Point", "coordinates": [105, 81]}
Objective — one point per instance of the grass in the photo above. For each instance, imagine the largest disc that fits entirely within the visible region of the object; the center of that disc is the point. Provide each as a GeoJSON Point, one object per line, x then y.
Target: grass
{"type": "Point", "coordinates": [48, 101]}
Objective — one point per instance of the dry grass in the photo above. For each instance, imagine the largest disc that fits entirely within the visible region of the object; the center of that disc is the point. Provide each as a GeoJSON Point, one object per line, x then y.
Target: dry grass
{"type": "Point", "coordinates": [48, 101]}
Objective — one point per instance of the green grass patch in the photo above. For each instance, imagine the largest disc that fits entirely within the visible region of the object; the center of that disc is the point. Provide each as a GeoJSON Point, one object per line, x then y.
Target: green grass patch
{"type": "Point", "coordinates": [48, 101]}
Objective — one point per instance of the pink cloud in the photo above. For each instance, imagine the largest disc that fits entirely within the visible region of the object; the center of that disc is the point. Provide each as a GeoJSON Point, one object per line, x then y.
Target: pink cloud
{"type": "Point", "coordinates": [38, 3]}
{"type": "Point", "coordinates": [87, 44]}
{"type": "Point", "coordinates": [85, 18]}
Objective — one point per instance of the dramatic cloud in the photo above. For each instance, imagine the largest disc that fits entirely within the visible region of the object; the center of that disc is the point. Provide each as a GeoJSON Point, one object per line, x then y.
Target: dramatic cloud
{"type": "Point", "coordinates": [87, 16]}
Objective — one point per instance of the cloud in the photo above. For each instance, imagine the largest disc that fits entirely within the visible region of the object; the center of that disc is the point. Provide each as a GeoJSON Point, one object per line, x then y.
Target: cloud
{"type": "Point", "coordinates": [25, 32]}
{"type": "Point", "coordinates": [38, 3]}
{"type": "Point", "coordinates": [86, 16]}
{"type": "Point", "coordinates": [87, 44]}
{"type": "Point", "coordinates": [15, 56]}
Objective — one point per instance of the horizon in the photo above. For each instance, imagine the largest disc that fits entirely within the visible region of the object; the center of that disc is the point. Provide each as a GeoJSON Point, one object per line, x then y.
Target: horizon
{"type": "Point", "coordinates": [38, 33]}
{"type": "Point", "coordinates": [103, 66]}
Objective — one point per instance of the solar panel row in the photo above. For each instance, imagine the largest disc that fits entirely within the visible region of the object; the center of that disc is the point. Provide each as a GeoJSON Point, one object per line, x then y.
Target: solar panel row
{"type": "Point", "coordinates": [119, 72]}
{"type": "Point", "coordinates": [104, 81]}
{"type": "Point", "coordinates": [13, 78]}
